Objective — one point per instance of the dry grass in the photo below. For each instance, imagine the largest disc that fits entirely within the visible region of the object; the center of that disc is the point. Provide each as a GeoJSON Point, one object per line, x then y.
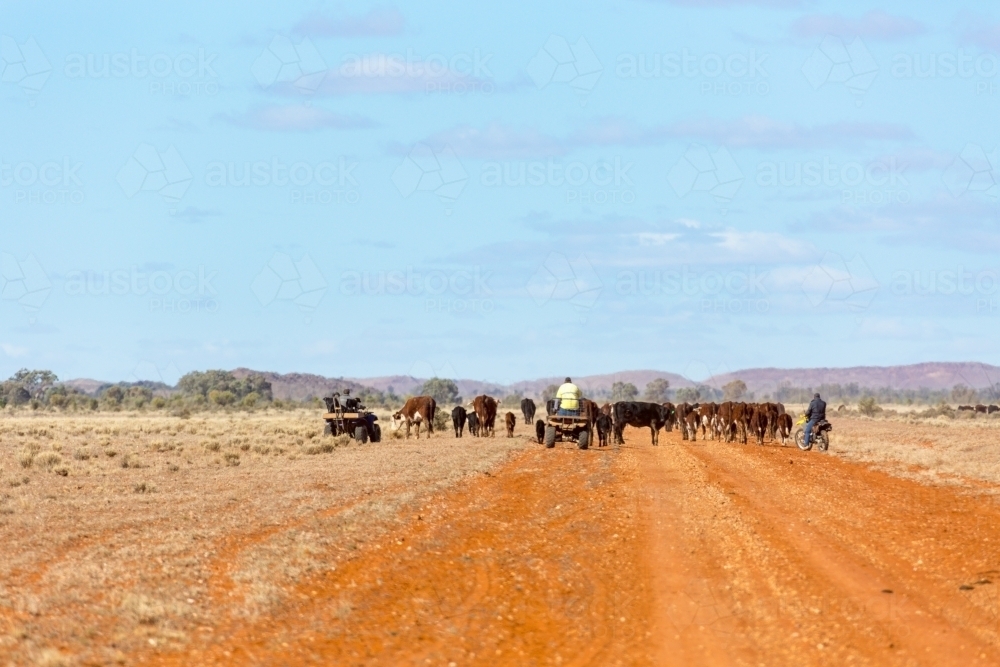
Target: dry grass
{"type": "Point", "coordinates": [938, 450]}
{"type": "Point", "coordinates": [132, 529]}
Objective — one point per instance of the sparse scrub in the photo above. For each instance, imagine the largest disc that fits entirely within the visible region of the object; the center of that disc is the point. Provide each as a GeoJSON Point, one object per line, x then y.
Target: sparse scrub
{"type": "Point", "coordinates": [232, 458]}
{"type": "Point", "coordinates": [26, 457]}
{"type": "Point", "coordinates": [868, 406]}
{"type": "Point", "coordinates": [48, 459]}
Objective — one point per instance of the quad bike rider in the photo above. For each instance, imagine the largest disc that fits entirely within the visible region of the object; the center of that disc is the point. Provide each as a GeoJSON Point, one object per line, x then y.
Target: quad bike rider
{"type": "Point", "coordinates": [816, 426]}
{"type": "Point", "coordinates": [567, 421]}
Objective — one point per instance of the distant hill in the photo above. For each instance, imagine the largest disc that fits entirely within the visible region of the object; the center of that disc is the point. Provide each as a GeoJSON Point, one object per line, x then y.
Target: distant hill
{"type": "Point", "coordinates": [932, 375]}
{"type": "Point", "coordinates": [299, 386]}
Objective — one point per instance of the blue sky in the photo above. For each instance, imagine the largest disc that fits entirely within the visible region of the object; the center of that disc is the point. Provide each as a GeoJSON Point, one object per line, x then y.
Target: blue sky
{"type": "Point", "coordinates": [497, 192]}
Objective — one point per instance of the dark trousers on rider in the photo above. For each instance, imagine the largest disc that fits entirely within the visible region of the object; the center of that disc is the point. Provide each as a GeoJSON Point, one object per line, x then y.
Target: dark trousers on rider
{"type": "Point", "coordinates": [810, 425]}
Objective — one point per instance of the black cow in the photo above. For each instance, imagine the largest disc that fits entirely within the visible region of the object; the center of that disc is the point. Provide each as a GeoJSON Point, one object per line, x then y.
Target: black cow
{"type": "Point", "coordinates": [540, 431]}
{"type": "Point", "coordinates": [604, 426]}
{"type": "Point", "coordinates": [639, 414]}
{"type": "Point", "coordinates": [550, 407]}
{"type": "Point", "coordinates": [474, 424]}
{"type": "Point", "coordinates": [528, 410]}
{"type": "Point", "coordinates": [458, 417]}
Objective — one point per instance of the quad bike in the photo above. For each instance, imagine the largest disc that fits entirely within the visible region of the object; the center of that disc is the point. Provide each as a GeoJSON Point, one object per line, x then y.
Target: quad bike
{"type": "Point", "coordinates": [349, 416]}
{"type": "Point", "coordinates": [821, 434]}
{"type": "Point", "coordinates": [575, 428]}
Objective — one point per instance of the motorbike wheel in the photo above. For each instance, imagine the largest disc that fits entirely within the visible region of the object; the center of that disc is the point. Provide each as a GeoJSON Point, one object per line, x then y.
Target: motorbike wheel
{"type": "Point", "coordinates": [824, 441]}
{"type": "Point", "coordinates": [800, 440]}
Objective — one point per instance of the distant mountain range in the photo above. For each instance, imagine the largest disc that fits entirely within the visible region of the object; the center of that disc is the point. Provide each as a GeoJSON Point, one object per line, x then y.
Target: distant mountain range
{"type": "Point", "coordinates": [933, 375]}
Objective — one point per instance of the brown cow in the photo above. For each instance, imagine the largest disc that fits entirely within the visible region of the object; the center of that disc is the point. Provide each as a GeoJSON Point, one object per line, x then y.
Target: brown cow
{"type": "Point", "coordinates": [784, 427]}
{"type": "Point", "coordinates": [758, 422]}
{"type": "Point", "coordinates": [510, 421]}
{"type": "Point", "coordinates": [682, 410]}
{"type": "Point", "coordinates": [724, 421]}
{"type": "Point", "coordinates": [486, 409]}
{"type": "Point", "coordinates": [691, 420]}
{"type": "Point", "coordinates": [416, 410]}
{"type": "Point", "coordinates": [671, 416]}
{"type": "Point", "coordinates": [706, 415]}
{"type": "Point", "coordinates": [739, 424]}
{"type": "Point", "coordinates": [772, 420]}
{"type": "Point", "coordinates": [981, 408]}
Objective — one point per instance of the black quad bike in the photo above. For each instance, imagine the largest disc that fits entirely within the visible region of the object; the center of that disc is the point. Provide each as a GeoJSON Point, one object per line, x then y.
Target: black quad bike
{"type": "Point", "coordinates": [347, 415]}
{"type": "Point", "coordinates": [821, 434]}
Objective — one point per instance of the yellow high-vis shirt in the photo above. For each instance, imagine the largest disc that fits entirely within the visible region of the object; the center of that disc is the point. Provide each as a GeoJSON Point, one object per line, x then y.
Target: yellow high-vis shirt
{"type": "Point", "coordinates": [569, 396]}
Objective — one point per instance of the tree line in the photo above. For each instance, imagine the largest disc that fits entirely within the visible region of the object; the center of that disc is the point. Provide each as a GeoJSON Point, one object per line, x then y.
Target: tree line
{"type": "Point", "coordinates": [221, 390]}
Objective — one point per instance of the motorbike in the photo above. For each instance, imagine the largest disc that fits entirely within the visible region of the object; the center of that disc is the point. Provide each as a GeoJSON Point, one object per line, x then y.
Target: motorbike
{"type": "Point", "coordinates": [820, 435]}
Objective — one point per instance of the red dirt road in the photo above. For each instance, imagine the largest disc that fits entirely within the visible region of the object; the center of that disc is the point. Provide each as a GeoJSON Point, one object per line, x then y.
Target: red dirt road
{"type": "Point", "coordinates": [689, 553]}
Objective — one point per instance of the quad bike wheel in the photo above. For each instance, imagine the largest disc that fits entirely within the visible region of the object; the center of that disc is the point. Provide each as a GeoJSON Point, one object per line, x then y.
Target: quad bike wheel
{"type": "Point", "coordinates": [361, 434]}
{"type": "Point", "coordinates": [550, 437]}
{"type": "Point", "coordinates": [376, 433]}
{"type": "Point", "coordinates": [583, 442]}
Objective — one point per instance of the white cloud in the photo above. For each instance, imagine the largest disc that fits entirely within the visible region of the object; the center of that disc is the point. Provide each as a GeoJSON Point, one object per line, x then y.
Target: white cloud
{"type": "Point", "coordinates": [295, 118]}
{"type": "Point", "coordinates": [13, 350]}
{"type": "Point", "coordinates": [874, 25]}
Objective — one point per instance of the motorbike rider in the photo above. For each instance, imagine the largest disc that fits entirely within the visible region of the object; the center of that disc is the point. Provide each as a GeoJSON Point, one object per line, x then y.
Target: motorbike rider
{"type": "Point", "coordinates": [568, 396]}
{"type": "Point", "coordinates": [816, 412]}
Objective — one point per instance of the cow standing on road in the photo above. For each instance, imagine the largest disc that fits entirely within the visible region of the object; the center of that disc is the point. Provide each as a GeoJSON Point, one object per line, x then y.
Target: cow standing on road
{"type": "Point", "coordinates": [458, 417]}
{"type": "Point", "coordinates": [417, 410]}
{"type": "Point", "coordinates": [784, 427]}
{"type": "Point", "coordinates": [639, 414]}
{"type": "Point", "coordinates": [604, 426]}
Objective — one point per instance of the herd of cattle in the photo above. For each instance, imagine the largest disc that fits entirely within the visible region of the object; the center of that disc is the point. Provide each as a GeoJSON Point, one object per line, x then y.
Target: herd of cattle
{"type": "Point", "coordinates": [729, 421]}
{"type": "Point", "coordinates": [985, 409]}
